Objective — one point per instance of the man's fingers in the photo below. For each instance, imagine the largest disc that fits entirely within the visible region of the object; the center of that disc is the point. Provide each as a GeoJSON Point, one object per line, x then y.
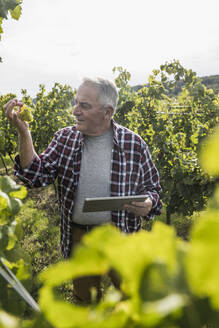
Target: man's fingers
{"type": "Point", "coordinates": [139, 208]}
{"type": "Point", "coordinates": [139, 204]}
{"type": "Point", "coordinates": [10, 103]}
{"type": "Point", "coordinates": [12, 114]}
{"type": "Point", "coordinates": [19, 104]}
{"type": "Point", "coordinates": [9, 107]}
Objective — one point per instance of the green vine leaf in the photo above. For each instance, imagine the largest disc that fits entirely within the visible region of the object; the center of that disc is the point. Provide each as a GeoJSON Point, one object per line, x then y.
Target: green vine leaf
{"type": "Point", "coordinates": [210, 155]}
{"type": "Point", "coordinates": [16, 12]}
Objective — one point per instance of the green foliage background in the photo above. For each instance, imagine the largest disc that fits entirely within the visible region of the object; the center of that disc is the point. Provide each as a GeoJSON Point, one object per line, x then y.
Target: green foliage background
{"type": "Point", "coordinates": [9, 6]}
{"type": "Point", "coordinates": [164, 279]}
{"type": "Point", "coordinates": [166, 282]}
{"type": "Point", "coordinates": [174, 128]}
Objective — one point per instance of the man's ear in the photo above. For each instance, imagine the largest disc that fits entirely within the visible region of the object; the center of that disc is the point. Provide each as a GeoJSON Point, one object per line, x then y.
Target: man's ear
{"type": "Point", "coordinates": [109, 112]}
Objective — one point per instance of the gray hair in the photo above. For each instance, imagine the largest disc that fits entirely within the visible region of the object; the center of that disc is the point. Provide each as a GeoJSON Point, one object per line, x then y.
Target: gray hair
{"type": "Point", "coordinates": [107, 91]}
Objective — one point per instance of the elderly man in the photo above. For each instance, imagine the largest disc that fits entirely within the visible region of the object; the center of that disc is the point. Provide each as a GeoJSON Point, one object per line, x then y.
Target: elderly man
{"type": "Point", "coordinates": [96, 157]}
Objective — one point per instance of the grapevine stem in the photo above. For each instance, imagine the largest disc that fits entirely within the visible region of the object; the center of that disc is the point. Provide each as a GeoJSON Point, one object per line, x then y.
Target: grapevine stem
{"type": "Point", "coordinates": [3, 162]}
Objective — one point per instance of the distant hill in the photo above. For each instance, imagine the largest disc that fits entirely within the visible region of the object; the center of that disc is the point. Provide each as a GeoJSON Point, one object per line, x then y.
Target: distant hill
{"type": "Point", "coordinates": [211, 82]}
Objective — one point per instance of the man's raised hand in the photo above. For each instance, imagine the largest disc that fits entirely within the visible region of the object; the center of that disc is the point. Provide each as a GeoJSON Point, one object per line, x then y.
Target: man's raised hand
{"type": "Point", "coordinates": [12, 114]}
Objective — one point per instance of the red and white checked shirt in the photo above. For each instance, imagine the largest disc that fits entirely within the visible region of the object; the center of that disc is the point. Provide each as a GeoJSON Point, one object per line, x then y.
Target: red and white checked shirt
{"type": "Point", "coordinates": [132, 173]}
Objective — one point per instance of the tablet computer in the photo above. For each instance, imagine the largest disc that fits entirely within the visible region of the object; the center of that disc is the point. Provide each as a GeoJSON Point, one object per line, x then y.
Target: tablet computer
{"type": "Point", "coordinates": [110, 203]}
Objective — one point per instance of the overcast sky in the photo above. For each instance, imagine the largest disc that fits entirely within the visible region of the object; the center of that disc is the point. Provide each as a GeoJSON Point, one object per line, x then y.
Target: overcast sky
{"type": "Point", "coordinates": [65, 40]}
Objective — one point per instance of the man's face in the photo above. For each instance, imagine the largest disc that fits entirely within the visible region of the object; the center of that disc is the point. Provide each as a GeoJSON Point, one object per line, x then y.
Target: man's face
{"type": "Point", "coordinates": [91, 117]}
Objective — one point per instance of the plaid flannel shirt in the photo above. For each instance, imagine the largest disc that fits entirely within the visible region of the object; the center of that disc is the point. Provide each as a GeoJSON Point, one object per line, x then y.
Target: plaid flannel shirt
{"type": "Point", "coordinates": [132, 173]}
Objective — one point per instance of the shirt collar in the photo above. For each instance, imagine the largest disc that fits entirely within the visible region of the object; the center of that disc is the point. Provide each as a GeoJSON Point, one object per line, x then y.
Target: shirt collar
{"type": "Point", "coordinates": [115, 127]}
{"type": "Point", "coordinates": [116, 134]}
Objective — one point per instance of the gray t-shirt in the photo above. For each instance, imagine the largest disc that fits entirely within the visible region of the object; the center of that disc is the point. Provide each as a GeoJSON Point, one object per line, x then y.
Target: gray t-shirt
{"type": "Point", "coordinates": [94, 177]}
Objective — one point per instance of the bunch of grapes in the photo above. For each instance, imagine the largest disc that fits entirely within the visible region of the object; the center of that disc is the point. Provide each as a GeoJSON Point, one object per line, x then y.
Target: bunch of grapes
{"type": "Point", "coordinates": [25, 114]}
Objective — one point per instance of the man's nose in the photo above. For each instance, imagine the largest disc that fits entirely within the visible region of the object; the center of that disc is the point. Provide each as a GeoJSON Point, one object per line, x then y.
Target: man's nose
{"type": "Point", "coordinates": [76, 110]}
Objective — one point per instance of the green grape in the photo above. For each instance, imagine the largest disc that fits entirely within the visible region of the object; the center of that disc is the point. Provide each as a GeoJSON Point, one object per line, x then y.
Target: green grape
{"type": "Point", "coordinates": [25, 114]}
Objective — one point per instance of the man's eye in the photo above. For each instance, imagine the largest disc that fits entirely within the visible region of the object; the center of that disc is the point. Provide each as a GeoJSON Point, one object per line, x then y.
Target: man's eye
{"type": "Point", "coordinates": [85, 105]}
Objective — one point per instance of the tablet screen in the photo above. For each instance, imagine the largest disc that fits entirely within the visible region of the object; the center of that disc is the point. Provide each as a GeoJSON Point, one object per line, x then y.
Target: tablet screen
{"type": "Point", "coordinates": [110, 203]}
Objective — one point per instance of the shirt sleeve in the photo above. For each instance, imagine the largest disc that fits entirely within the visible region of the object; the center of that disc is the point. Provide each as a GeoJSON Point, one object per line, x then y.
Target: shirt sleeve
{"type": "Point", "coordinates": [43, 169]}
{"type": "Point", "coordinates": [150, 183]}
